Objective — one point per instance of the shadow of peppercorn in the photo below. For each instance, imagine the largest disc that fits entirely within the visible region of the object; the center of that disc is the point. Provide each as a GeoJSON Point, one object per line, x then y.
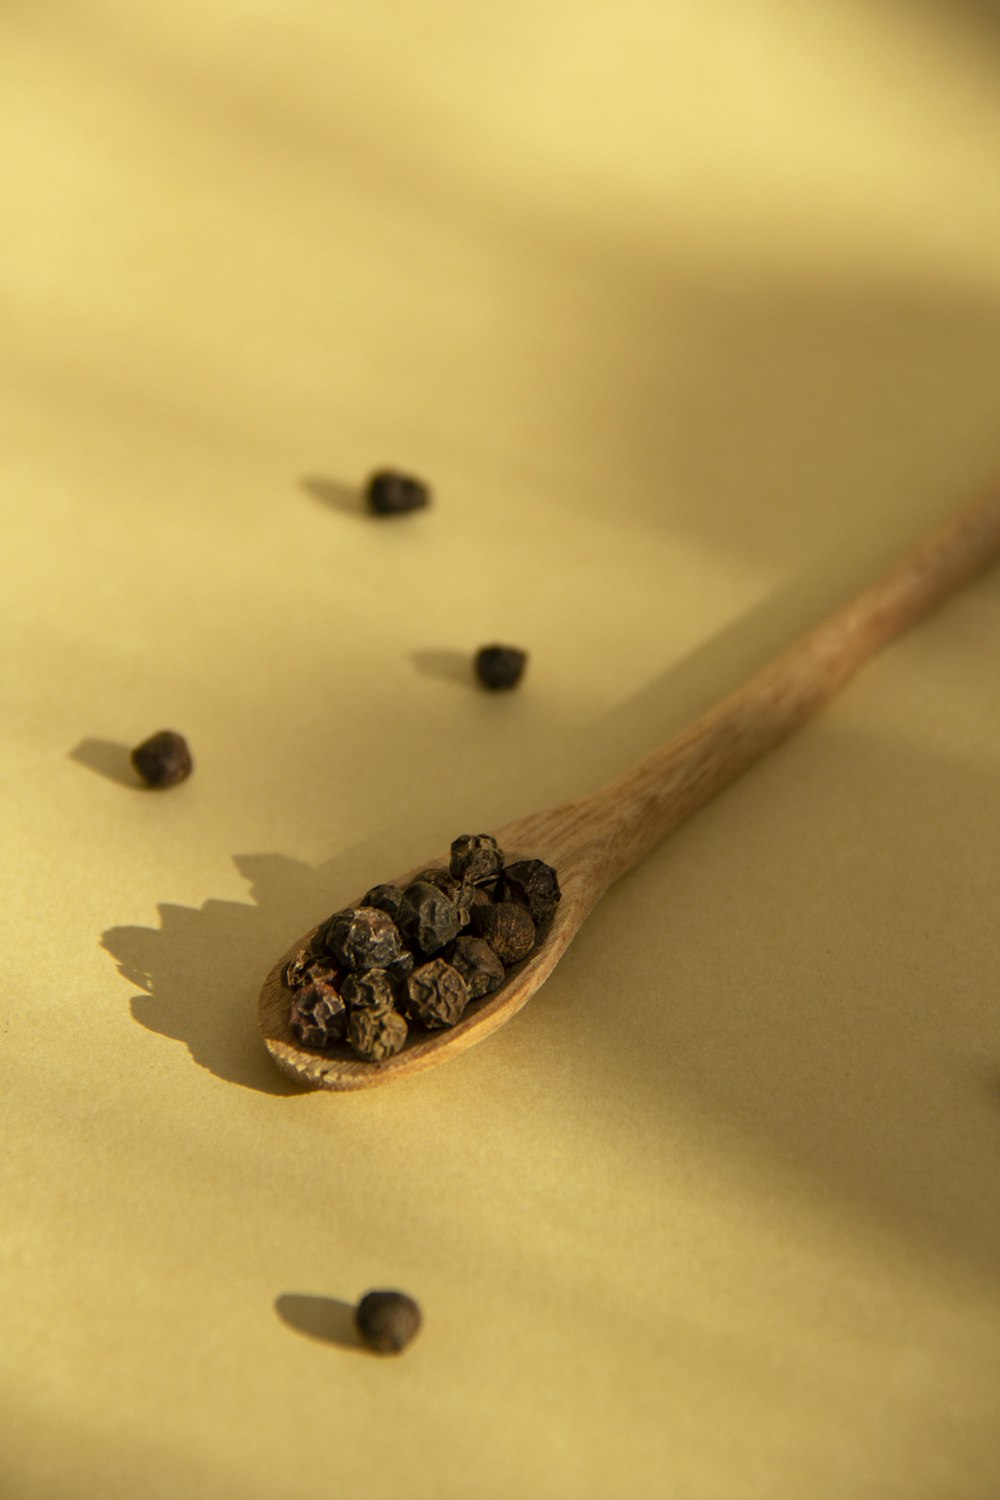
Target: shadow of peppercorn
{"type": "Point", "coordinates": [108, 758]}
{"type": "Point", "coordinates": [201, 970]}
{"type": "Point", "coordinates": [335, 493]}
{"type": "Point", "coordinates": [447, 666]}
{"type": "Point", "coordinates": [324, 1318]}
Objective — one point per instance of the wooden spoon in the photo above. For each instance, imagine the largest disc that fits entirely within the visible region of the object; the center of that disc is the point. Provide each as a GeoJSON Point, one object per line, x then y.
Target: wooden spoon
{"type": "Point", "coordinates": [595, 840]}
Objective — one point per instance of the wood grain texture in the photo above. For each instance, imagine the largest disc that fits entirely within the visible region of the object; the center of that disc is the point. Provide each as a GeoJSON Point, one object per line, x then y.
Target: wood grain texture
{"type": "Point", "coordinates": [595, 840]}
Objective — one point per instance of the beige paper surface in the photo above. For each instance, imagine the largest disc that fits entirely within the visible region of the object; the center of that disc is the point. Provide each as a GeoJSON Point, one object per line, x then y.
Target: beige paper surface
{"type": "Point", "coordinates": [691, 314]}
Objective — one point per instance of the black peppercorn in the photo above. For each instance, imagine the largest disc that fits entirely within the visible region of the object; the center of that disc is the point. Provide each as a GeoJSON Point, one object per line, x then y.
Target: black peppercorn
{"type": "Point", "coordinates": [475, 857]}
{"type": "Point", "coordinates": [437, 994]}
{"type": "Point", "coordinates": [385, 897]}
{"type": "Point", "coordinates": [387, 1321]}
{"type": "Point", "coordinates": [477, 896]}
{"type": "Point", "coordinates": [478, 965]}
{"type": "Point", "coordinates": [500, 667]}
{"type": "Point", "coordinates": [507, 928]}
{"type": "Point", "coordinates": [392, 494]}
{"type": "Point", "coordinates": [427, 918]}
{"type": "Point", "coordinates": [400, 970]}
{"type": "Point", "coordinates": [295, 969]}
{"type": "Point", "coordinates": [163, 760]}
{"type": "Point", "coordinates": [307, 965]}
{"type": "Point", "coordinates": [377, 1032]}
{"type": "Point", "coordinates": [531, 883]}
{"type": "Point", "coordinates": [371, 987]}
{"type": "Point", "coordinates": [446, 884]}
{"type": "Point", "coordinates": [361, 938]}
{"type": "Point", "coordinates": [318, 1015]}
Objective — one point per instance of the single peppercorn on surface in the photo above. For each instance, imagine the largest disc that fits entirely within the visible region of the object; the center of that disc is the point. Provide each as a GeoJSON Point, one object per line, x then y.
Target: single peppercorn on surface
{"type": "Point", "coordinates": [392, 494]}
{"type": "Point", "coordinates": [500, 667]}
{"type": "Point", "coordinates": [163, 760]}
{"type": "Point", "coordinates": [387, 1321]}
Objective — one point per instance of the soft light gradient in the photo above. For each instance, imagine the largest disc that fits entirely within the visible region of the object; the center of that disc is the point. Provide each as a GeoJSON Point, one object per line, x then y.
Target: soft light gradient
{"type": "Point", "coordinates": [691, 315]}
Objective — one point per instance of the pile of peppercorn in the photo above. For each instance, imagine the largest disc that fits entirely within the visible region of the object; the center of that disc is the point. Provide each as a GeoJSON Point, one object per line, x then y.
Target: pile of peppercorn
{"type": "Point", "coordinates": [418, 956]}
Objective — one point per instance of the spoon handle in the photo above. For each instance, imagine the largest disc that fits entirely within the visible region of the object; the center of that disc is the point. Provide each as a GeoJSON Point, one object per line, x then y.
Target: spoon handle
{"type": "Point", "coordinates": [638, 809]}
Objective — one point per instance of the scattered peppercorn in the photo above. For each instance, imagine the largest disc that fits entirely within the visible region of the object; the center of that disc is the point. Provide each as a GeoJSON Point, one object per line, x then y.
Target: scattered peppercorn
{"type": "Point", "coordinates": [426, 952]}
{"type": "Point", "coordinates": [392, 494]}
{"type": "Point", "coordinates": [507, 928]}
{"type": "Point", "coordinates": [318, 1015]}
{"type": "Point", "coordinates": [438, 994]}
{"type": "Point", "coordinates": [500, 667]}
{"type": "Point", "coordinates": [376, 1033]}
{"type": "Point", "coordinates": [387, 1321]}
{"type": "Point", "coordinates": [163, 760]}
{"type": "Point", "coordinates": [478, 965]}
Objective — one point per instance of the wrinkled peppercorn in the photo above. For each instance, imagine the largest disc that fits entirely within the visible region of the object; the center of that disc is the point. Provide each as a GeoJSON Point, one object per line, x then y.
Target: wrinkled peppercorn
{"type": "Point", "coordinates": [427, 918]}
{"type": "Point", "coordinates": [385, 897]}
{"type": "Point", "coordinates": [507, 928]}
{"type": "Point", "coordinates": [370, 987]}
{"type": "Point", "coordinates": [531, 883]}
{"type": "Point", "coordinates": [387, 1321]}
{"type": "Point", "coordinates": [475, 857]}
{"type": "Point", "coordinates": [377, 1032]}
{"type": "Point", "coordinates": [477, 896]}
{"type": "Point", "coordinates": [423, 953]}
{"type": "Point", "coordinates": [437, 994]}
{"type": "Point", "coordinates": [392, 494]}
{"type": "Point", "coordinates": [446, 884]}
{"type": "Point", "coordinates": [478, 965]}
{"type": "Point", "coordinates": [318, 1015]}
{"type": "Point", "coordinates": [163, 760]}
{"type": "Point", "coordinates": [401, 968]}
{"type": "Point", "coordinates": [307, 965]}
{"type": "Point", "coordinates": [361, 937]}
{"type": "Point", "coordinates": [499, 667]}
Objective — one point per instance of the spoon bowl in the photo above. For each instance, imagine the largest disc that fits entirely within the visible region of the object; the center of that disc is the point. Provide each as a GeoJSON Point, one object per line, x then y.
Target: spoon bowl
{"type": "Point", "coordinates": [591, 842]}
{"type": "Point", "coordinates": [548, 836]}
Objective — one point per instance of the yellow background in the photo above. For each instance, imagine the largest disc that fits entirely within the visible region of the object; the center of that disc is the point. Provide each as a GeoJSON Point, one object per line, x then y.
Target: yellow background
{"type": "Point", "coordinates": [691, 314]}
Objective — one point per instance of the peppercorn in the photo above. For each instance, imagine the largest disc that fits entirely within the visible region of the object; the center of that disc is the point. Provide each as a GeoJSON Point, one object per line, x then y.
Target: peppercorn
{"type": "Point", "coordinates": [377, 1032]}
{"type": "Point", "coordinates": [295, 969]}
{"type": "Point", "coordinates": [392, 494]}
{"type": "Point", "coordinates": [477, 896]}
{"type": "Point", "coordinates": [163, 760]}
{"type": "Point", "coordinates": [307, 965]}
{"type": "Point", "coordinates": [318, 1015]}
{"type": "Point", "coordinates": [531, 883]}
{"type": "Point", "coordinates": [446, 884]}
{"type": "Point", "coordinates": [478, 965]}
{"type": "Point", "coordinates": [507, 928]}
{"type": "Point", "coordinates": [387, 1321]}
{"type": "Point", "coordinates": [385, 897]}
{"type": "Point", "coordinates": [437, 994]}
{"type": "Point", "coordinates": [371, 987]}
{"type": "Point", "coordinates": [475, 857]}
{"type": "Point", "coordinates": [427, 918]}
{"type": "Point", "coordinates": [361, 938]}
{"type": "Point", "coordinates": [499, 667]}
